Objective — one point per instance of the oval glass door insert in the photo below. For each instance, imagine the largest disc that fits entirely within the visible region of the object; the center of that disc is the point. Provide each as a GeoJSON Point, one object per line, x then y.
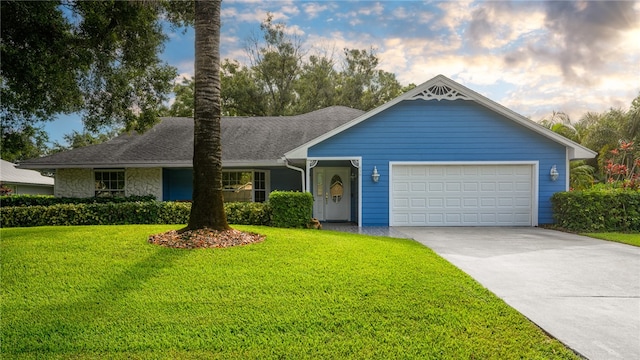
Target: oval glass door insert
{"type": "Point", "coordinates": [336, 188]}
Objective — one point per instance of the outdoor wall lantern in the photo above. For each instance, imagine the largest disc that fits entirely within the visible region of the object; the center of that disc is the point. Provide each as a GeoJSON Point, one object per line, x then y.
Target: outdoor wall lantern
{"type": "Point", "coordinates": [375, 176]}
{"type": "Point", "coordinates": [554, 173]}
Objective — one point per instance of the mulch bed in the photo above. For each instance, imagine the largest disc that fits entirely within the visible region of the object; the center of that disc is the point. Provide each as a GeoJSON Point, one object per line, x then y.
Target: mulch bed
{"type": "Point", "coordinates": [205, 238]}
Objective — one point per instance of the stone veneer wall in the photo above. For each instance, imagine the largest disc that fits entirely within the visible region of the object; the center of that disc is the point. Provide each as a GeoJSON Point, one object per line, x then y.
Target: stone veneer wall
{"type": "Point", "coordinates": [144, 181]}
{"type": "Point", "coordinates": [77, 183]}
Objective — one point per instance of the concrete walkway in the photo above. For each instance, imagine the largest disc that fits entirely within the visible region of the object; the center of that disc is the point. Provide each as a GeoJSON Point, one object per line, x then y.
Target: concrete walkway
{"type": "Point", "coordinates": [583, 291]}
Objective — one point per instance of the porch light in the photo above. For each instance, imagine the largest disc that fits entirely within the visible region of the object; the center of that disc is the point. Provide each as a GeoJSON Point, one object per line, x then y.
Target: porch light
{"type": "Point", "coordinates": [554, 173]}
{"type": "Point", "coordinates": [375, 176]}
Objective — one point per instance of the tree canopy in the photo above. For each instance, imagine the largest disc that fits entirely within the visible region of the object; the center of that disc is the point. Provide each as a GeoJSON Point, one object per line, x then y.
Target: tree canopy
{"type": "Point", "coordinates": [607, 133]}
{"type": "Point", "coordinates": [283, 79]}
{"type": "Point", "coordinates": [99, 58]}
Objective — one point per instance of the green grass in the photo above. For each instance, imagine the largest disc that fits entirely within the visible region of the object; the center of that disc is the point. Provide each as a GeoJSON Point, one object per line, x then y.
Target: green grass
{"type": "Point", "coordinates": [630, 239]}
{"type": "Point", "coordinates": [104, 292]}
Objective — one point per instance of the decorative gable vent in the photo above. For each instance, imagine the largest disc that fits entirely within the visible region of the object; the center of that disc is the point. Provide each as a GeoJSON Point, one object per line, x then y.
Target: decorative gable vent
{"type": "Point", "coordinates": [439, 92]}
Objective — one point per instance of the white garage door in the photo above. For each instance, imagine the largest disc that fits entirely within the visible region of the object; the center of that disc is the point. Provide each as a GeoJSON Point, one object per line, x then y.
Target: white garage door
{"type": "Point", "coordinates": [462, 195]}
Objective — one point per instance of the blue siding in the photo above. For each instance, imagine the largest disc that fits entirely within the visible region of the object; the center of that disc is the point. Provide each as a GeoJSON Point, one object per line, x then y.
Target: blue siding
{"type": "Point", "coordinates": [286, 180]}
{"type": "Point", "coordinates": [177, 184]}
{"type": "Point", "coordinates": [441, 131]}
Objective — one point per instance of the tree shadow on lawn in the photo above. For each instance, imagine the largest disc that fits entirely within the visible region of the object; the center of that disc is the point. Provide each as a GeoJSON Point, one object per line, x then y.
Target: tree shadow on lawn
{"type": "Point", "coordinates": [104, 315]}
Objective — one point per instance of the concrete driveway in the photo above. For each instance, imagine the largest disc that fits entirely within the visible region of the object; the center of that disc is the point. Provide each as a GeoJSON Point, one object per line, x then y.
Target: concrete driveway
{"type": "Point", "coordinates": [584, 292]}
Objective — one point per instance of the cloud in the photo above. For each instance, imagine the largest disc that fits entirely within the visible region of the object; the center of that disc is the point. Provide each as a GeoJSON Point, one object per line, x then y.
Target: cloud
{"type": "Point", "coordinates": [499, 24]}
{"type": "Point", "coordinates": [368, 10]}
{"type": "Point", "coordinates": [533, 57]}
{"type": "Point", "coordinates": [454, 14]}
{"type": "Point", "coordinates": [583, 33]}
{"type": "Point", "coordinates": [313, 10]}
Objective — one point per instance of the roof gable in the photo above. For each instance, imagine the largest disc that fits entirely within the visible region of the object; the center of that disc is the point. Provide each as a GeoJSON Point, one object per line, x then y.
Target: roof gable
{"type": "Point", "coordinates": [442, 88]}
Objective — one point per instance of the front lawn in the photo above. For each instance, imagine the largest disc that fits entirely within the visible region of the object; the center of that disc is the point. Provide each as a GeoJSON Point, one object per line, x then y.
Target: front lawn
{"type": "Point", "coordinates": [630, 239]}
{"type": "Point", "coordinates": [104, 292]}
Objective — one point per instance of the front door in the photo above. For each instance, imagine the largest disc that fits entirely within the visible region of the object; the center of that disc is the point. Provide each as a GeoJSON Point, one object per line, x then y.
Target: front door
{"type": "Point", "coordinates": [332, 194]}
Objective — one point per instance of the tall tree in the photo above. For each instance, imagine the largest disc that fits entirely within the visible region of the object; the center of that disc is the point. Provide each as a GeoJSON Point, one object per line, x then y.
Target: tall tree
{"type": "Point", "coordinates": [276, 61]}
{"type": "Point", "coordinates": [362, 85]}
{"type": "Point", "coordinates": [25, 143]}
{"type": "Point", "coordinates": [183, 103]}
{"type": "Point", "coordinates": [99, 58]}
{"type": "Point", "coordinates": [240, 92]}
{"type": "Point", "coordinates": [207, 210]}
{"type": "Point", "coordinates": [316, 87]}
{"type": "Point", "coordinates": [77, 139]}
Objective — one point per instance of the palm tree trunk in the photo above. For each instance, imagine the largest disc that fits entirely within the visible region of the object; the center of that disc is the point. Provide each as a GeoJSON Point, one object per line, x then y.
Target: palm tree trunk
{"type": "Point", "coordinates": [208, 208]}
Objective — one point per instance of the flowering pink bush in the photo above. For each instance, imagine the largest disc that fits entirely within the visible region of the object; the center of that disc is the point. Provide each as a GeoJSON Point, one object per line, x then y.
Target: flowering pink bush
{"type": "Point", "coordinates": [623, 167]}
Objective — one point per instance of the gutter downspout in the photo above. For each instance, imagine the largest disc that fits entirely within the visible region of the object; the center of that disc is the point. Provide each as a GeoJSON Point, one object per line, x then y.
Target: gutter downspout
{"type": "Point", "coordinates": [286, 163]}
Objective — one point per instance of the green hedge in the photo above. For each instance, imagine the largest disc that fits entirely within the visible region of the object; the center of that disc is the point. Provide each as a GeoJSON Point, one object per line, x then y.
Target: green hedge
{"type": "Point", "coordinates": [48, 200]}
{"type": "Point", "coordinates": [290, 209]}
{"type": "Point", "coordinates": [147, 212]}
{"type": "Point", "coordinates": [597, 210]}
{"type": "Point", "coordinates": [247, 213]}
{"type": "Point", "coordinates": [141, 212]}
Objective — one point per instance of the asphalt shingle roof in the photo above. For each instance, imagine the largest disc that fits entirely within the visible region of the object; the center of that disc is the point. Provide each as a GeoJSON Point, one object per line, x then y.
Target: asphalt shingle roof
{"type": "Point", "coordinates": [170, 142]}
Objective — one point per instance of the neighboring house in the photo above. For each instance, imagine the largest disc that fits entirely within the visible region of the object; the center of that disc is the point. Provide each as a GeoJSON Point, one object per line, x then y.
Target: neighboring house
{"type": "Point", "coordinates": [438, 155]}
{"type": "Point", "coordinates": [24, 182]}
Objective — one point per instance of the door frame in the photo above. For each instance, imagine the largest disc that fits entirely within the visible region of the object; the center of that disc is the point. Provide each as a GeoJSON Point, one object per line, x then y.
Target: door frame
{"type": "Point", "coordinates": [356, 161]}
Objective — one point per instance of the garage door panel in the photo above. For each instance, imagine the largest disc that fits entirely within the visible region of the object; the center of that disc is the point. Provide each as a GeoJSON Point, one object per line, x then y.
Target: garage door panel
{"type": "Point", "coordinates": [402, 203]}
{"type": "Point", "coordinates": [454, 218]}
{"type": "Point", "coordinates": [419, 203]}
{"type": "Point", "coordinates": [418, 218]}
{"type": "Point", "coordinates": [401, 186]}
{"type": "Point", "coordinates": [487, 202]}
{"type": "Point", "coordinates": [454, 186]}
{"type": "Point", "coordinates": [487, 186]}
{"type": "Point", "coordinates": [470, 203]}
{"type": "Point", "coordinates": [462, 195]}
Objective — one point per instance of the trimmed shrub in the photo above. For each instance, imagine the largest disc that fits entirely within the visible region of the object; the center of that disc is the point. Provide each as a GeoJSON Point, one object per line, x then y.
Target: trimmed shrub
{"type": "Point", "coordinates": [140, 212]}
{"type": "Point", "coordinates": [597, 210]}
{"type": "Point", "coordinates": [248, 213]}
{"type": "Point", "coordinates": [290, 209]}
{"type": "Point", "coordinates": [48, 200]}
{"type": "Point", "coordinates": [148, 212]}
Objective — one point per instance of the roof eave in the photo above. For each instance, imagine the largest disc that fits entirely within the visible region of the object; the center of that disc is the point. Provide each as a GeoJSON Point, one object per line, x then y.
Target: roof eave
{"type": "Point", "coordinates": [162, 164]}
{"type": "Point", "coordinates": [27, 183]}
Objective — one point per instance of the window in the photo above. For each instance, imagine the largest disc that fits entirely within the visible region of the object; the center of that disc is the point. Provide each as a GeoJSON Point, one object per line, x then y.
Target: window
{"type": "Point", "coordinates": [109, 183]}
{"type": "Point", "coordinates": [244, 186]}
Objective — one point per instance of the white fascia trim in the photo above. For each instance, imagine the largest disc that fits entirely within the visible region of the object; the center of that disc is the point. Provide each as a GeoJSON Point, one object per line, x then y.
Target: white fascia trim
{"type": "Point", "coordinates": [250, 163]}
{"type": "Point", "coordinates": [567, 172]}
{"type": "Point", "coordinates": [178, 164]}
{"type": "Point", "coordinates": [320, 158]}
{"type": "Point", "coordinates": [509, 162]}
{"type": "Point", "coordinates": [109, 166]}
{"type": "Point", "coordinates": [534, 181]}
{"type": "Point", "coordinates": [577, 151]}
{"type": "Point", "coordinates": [17, 183]}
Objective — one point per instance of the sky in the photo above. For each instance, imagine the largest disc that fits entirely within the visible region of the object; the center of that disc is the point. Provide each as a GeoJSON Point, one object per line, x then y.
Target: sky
{"type": "Point", "coordinates": [534, 57]}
